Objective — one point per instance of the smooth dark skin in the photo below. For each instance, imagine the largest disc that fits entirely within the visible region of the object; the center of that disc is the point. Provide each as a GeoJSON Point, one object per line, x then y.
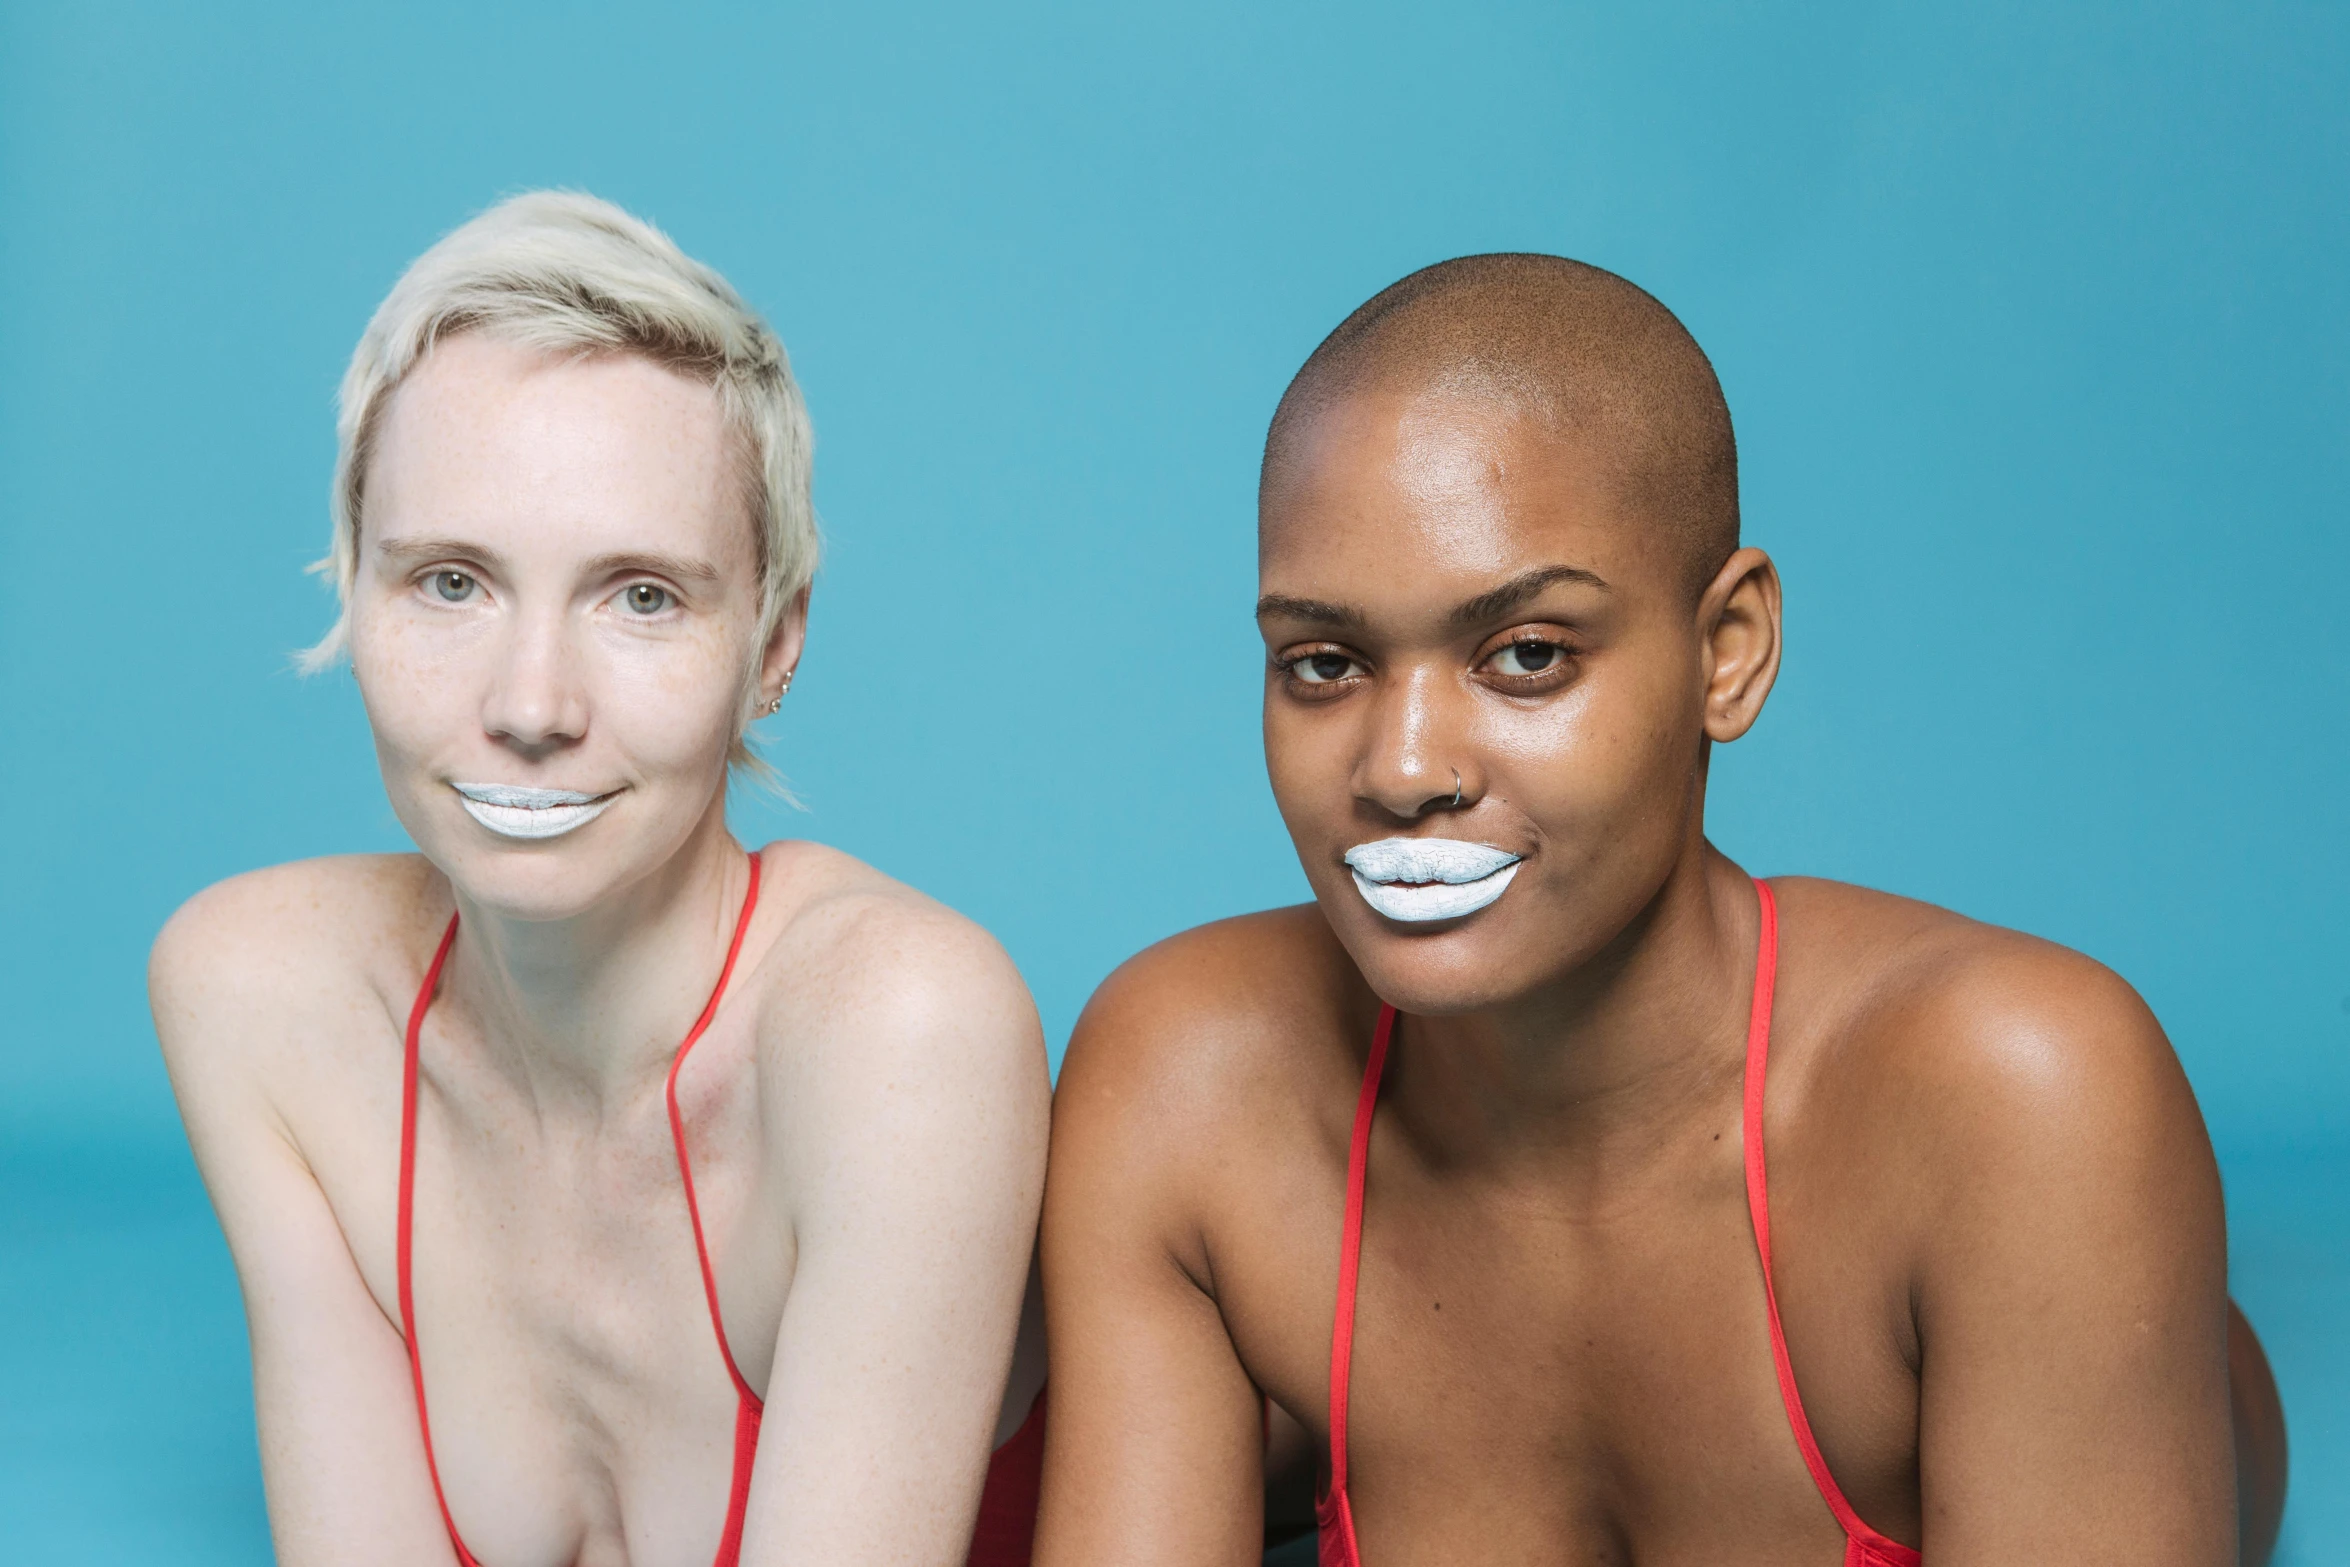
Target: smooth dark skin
{"type": "Point", "coordinates": [2000, 1249]}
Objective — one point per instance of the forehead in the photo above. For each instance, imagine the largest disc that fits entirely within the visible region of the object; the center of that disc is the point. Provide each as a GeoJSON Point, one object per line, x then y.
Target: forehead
{"type": "Point", "coordinates": [1391, 493]}
{"type": "Point", "coordinates": [486, 434]}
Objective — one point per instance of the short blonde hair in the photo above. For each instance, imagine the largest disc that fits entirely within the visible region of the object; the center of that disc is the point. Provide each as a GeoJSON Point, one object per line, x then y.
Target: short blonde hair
{"type": "Point", "coordinates": [565, 273]}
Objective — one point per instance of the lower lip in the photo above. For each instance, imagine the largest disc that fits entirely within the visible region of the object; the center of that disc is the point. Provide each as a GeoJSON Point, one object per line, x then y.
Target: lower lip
{"type": "Point", "coordinates": [522, 821]}
{"type": "Point", "coordinates": [1424, 902]}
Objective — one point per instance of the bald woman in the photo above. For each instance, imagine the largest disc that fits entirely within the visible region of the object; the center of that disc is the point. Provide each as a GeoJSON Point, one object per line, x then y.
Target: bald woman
{"type": "Point", "coordinates": [1581, 1197]}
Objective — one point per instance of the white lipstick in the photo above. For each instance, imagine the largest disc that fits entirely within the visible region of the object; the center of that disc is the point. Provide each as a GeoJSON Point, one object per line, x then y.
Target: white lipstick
{"type": "Point", "coordinates": [513, 811]}
{"type": "Point", "coordinates": [1420, 879]}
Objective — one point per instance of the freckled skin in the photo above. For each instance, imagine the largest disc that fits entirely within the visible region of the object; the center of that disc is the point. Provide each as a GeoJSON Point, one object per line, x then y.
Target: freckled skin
{"type": "Point", "coordinates": [1998, 1237]}
{"type": "Point", "coordinates": [557, 473]}
{"type": "Point", "coordinates": [866, 1110]}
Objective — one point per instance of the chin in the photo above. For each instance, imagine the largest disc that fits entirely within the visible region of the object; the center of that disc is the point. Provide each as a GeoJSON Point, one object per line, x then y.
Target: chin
{"type": "Point", "coordinates": [1439, 970]}
{"type": "Point", "coordinates": [539, 881]}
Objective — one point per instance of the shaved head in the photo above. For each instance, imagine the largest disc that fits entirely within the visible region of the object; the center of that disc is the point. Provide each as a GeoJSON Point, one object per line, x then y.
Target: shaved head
{"type": "Point", "coordinates": [1594, 358]}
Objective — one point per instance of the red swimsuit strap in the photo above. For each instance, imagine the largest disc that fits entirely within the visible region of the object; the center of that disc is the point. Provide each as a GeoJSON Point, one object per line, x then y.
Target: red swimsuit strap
{"type": "Point", "coordinates": [685, 1166]}
{"type": "Point", "coordinates": [1350, 1247]}
{"type": "Point", "coordinates": [406, 1238]}
{"type": "Point", "coordinates": [746, 1426]}
{"type": "Point", "coordinates": [748, 1405]}
{"type": "Point", "coordinates": [1866, 1544]}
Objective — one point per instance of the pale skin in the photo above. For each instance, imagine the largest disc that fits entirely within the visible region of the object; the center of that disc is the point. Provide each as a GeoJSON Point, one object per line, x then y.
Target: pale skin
{"type": "Point", "coordinates": [1999, 1242]}
{"type": "Point", "coordinates": [558, 588]}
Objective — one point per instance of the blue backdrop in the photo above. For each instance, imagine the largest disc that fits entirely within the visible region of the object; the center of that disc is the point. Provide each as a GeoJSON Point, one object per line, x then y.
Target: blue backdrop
{"type": "Point", "coordinates": [2032, 318]}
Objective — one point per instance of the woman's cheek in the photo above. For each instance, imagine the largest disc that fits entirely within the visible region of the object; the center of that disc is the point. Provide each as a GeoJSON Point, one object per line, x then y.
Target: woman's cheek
{"type": "Point", "coordinates": [423, 696]}
{"type": "Point", "coordinates": [675, 702]}
{"type": "Point", "coordinates": [1309, 771]}
{"type": "Point", "coordinates": [399, 697]}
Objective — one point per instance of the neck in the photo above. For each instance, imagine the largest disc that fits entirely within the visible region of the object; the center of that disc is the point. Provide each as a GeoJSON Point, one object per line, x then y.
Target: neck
{"type": "Point", "coordinates": [587, 1012]}
{"type": "Point", "coordinates": [1613, 1063]}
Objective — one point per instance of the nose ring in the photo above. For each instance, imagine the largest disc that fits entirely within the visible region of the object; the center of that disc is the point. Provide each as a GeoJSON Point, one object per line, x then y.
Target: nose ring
{"type": "Point", "coordinates": [1456, 787]}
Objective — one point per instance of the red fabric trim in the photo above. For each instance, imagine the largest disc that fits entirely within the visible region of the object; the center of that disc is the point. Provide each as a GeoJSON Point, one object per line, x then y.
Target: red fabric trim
{"type": "Point", "coordinates": [685, 1167]}
{"type": "Point", "coordinates": [1863, 1545]}
{"type": "Point", "coordinates": [1005, 1533]}
{"type": "Point", "coordinates": [747, 1406]}
{"type": "Point", "coordinates": [405, 1234]}
{"type": "Point", "coordinates": [1333, 1513]}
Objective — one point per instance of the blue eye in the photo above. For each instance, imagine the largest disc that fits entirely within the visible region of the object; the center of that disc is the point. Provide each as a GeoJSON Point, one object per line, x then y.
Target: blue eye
{"type": "Point", "coordinates": [646, 599]}
{"type": "Point", "coordinates": [454, 587]}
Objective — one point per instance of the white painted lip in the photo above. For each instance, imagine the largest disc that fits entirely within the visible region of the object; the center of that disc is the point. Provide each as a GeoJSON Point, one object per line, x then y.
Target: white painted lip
{"type": "Point", "coordinates": [1415, 880]}
{"type": "Point", "coordinates": [516, 811]}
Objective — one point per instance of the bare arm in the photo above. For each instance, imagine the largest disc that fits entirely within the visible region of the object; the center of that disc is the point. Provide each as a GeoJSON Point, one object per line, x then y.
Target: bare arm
{"type": "Point", "coordinates": [2071, 1304]}
{"type": "Point", "coordinates": [340, 1454]}
{"type": "Point", "coordinates": [914, 1132]}
{"type": "Point", "coordinates": [1155, 1450]}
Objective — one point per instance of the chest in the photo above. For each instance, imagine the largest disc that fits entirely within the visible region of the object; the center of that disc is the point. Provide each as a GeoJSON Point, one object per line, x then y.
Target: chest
{"type": "Point", "coordinates": [1542, 1377]}
{"type": "Point", "coordinates": [582, 1405]}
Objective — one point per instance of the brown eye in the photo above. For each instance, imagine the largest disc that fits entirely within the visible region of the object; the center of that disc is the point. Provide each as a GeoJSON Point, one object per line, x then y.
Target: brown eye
{"type": "Point", "coordinates": [1320, 669]}
{"type": "Point", "coordinates": [1528, 658]}
{"type": "Point", "coordinates": [455, 587]}
{"type": "Point", "coordinates": [646, 599]}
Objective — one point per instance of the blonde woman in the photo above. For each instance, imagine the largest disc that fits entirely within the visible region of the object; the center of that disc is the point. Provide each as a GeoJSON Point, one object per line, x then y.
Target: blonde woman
{"type": "Point", "coordinates": [602, 1191]}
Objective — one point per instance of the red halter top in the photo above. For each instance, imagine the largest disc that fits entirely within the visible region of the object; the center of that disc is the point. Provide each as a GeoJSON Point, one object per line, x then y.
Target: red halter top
{"type": "Point", "coordinates": [1007, 1507]}
{"type": "Point", "coordinates": [1334, 1513]}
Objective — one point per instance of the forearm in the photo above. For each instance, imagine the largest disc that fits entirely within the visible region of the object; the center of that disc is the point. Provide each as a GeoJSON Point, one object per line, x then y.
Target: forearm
{"type": "Point", "coordinates": [342, 1452]}
{"type": "Point", "coordinates": [884, 1403]}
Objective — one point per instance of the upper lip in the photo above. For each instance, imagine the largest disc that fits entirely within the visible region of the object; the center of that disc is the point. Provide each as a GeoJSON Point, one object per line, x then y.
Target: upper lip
{"type": "Point", "coordinates": [525, 796]}
{"type": "Point", "coordinates": [1421, 861]}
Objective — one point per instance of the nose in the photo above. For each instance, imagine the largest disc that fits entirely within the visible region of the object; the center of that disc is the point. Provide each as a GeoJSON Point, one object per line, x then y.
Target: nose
{"type": "Point", "coordinates": [1414, 758]}
{"type": "Point", "coordinates": [536, 702]}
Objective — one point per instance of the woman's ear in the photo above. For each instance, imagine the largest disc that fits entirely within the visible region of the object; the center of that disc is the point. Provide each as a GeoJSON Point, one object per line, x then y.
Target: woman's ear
{"type": "Point", "coordinates": [1738, 641]}
{"type": "Point", "coordinates": [782, 654]}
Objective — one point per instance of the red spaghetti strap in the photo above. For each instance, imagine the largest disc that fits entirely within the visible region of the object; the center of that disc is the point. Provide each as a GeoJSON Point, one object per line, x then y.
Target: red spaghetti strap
{"type": "Point", "coordinates": [685, 1170]}
{"type": "Point", "coordinates": [1864, 1546]}
{"type": "Point", "coordinates": [1334, 1513]}
{"type": "Point", "coordinates": [747, 1403]}
{"type": "Point", "coordinates": [406, 1235]}
{"type": "Point", "coordinates": [1334, 1510]}
{"type": "Point", "coordinates": [738, 1485]}
{"type": "Point", "coordinates": [1350, 1247]}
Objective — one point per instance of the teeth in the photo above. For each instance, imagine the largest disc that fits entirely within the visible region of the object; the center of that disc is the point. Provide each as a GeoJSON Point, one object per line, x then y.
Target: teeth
{"type": "Point", "coordinates": [513, 811]}
{"type": "Point", "coordinates": [1420, 879]}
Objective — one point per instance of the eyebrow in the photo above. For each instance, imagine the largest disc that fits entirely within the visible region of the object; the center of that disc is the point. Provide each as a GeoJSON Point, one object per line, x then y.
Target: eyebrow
{"type": "Point", "coordinates": [689, 568]}
{"type": "Point", "coordinates": [1319, 611]}
{"type": "Point", "coordinates": [426, 549]}
{"type": "Point", "coordinates": [1497, 602]}
{"type": "Point", "coordinates": [1489, 605]}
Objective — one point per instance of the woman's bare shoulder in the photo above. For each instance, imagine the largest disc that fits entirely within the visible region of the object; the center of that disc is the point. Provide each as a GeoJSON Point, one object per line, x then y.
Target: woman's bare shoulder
{"type": "Point", "coordinates": [1921, 993]}
{"type": "Point", "coordinates": [250, 960]}
{"type": "Point", "coordinates": [1968, 1044]}
{"type": "Point", "coordinates": [865, 969]}
{"type": "Point", "coordinates": [1229, 1026]}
